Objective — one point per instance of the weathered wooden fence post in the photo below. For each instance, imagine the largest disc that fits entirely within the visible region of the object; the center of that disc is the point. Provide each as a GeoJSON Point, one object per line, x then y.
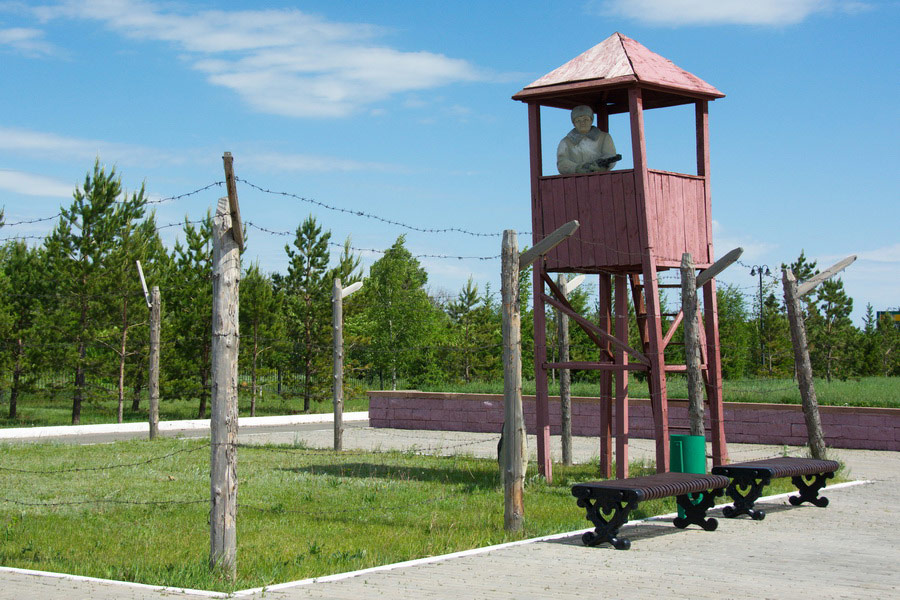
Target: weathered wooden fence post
{"type": "Point", "coordinates": [692, 344]}
{"type": "Point", "coordinates": [565, 377]}
{"type": "Point", "coordinates": [513, 455]}
{"type": "Point", "coordinates": [153, 303]}
{"type": "Point", "coordinates": [338, 293]}
{"type": "Point", "coordinates": [513, 449]}
{"type": "Point", "coordinates": [153, 379]}
{"type": "Point", "coordinates": [337, 318]}
{"type": "Point", "coordinates": [792, 294]}
{"type": "Point", "coordinates": [226, 266]}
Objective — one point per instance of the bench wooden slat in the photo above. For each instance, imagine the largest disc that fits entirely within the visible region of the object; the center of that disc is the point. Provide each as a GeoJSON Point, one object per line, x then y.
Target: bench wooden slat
{"type": "Point", "coordinates": [784, 466]}
{"type": "Point", "coordinates": [608, 503]}
{"type": "Point", "coordinates": [749, 478]}
{"type": "Point", "coordinates": [651, 487]}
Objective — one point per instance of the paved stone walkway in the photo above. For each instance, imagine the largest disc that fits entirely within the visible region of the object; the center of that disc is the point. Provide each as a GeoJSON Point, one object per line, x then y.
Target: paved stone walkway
{"type": "Point", "coordinates": [848, 550]}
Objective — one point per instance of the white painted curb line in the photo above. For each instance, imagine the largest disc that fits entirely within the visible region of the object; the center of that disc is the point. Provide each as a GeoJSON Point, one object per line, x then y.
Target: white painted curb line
{"type": "Point", "coordinates": [486, 549]}
{"type": "Point", "coordinates": [143, 586]}
{"type": "Point", "coordinates": [350, 574]}
{"type": "Point", "coordinates": [67, 430]}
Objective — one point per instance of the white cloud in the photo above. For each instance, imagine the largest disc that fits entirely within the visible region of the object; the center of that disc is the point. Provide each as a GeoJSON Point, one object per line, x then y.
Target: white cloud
{"type": "Point", "coordinates": [52, 146]}
{"type": "Point", "coordinates": [725, 241]}
{"type": "Point", "coordinates": [282, 62]}
{"type": "Point", "coordinates": [29, 42]}
{"type": "Point", "coordinates": [885, 254]}
{"type": "Point", "coordinates": [30, 184]}
{"type": "Point", "coordinates": [714, 12]}
{"type": "Point", "coordinates": [312, 163]}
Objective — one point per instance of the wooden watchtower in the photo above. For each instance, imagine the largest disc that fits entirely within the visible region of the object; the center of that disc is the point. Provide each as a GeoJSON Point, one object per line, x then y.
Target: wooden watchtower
{"type": "Point", "coordinates": [635, 223]}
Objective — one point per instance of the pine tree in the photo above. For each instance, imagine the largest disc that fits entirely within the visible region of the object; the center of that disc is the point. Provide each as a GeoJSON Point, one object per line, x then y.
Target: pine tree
{"type": "Point", "coordinates": [78, 250]}
{"type": "Point", "coordinates": [833, 333]}
{"type": "Point", "coordinates": [28, 289]}
{"type": "Point", "coordinates": [307, 289]}
{"type": "Point", "coordinates": [188, 316]}
{"type": "Point", "coordinates": [735, 331]}
{"type": "Point", "coordinates": [399, 317]}
{"type": "Point", "coordinates": [259, 322]}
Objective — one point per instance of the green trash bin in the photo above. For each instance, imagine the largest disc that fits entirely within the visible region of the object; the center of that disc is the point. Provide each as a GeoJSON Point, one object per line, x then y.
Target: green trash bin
{"type": "Point", "coordinates": [687, 454]}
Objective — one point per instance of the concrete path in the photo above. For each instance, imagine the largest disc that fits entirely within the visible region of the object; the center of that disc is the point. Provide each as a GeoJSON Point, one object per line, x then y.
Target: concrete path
{"type": "Point", "coordinates": [848, 550]}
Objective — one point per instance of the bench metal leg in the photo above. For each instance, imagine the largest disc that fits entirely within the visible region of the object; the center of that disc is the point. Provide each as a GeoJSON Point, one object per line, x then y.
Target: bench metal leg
{"type": "Point", "coordinates": [744, 491]}
{"type": "Point", "coordinates": [695, 507]}
{"type": "Point", "coordinates": [607, 515]}
{"type": "Point", "coordinates": [809, 491]}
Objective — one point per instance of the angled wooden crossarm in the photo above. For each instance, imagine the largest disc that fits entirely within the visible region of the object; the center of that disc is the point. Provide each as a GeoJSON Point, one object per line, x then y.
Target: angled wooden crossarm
{"type": "Point", "coordinates": [144, 284]}
{"type": "Point", "coordinates": [547, 244]}
{"type": "Point", "coordinates": [237, 226]}
{"type": "Point", "coordinates": [573, 283]}
{"type": "Point", "coordinates": [718, 266]}
{"type": "Point", "coordinates": [350, 289]}
{"type": "Point", "coordinates": [569, 311]}
{"type": "Point", "coordinates": [585, 324]}
{"type": "Point", "coordinates": [825, 275]}
{"type": "Point", "coordinates": [679, 316]}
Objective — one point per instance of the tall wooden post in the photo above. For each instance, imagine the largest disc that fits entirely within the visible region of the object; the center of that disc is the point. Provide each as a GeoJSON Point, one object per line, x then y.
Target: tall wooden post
{"type": "Point", "coordinates": [338, 293]}
{"type": "Point", "coordinates": [337, 318]}
{"type": "Point", "coordinates": [804, 366]}
{"type": "Point", "coordinates": [226, 267]}
{"type": "Point", "coordinates": [606, 397]}
{"type": "Point", "coordinates": [153, 378]}
{"type": "Point", "coordinates": [692, 344]}
{"type": "Point", "coordinates": [565, 378]}
{"type": "Point", "coordinates": [513, 456]}
{"type": "Point", "coordinates": [621, 360]}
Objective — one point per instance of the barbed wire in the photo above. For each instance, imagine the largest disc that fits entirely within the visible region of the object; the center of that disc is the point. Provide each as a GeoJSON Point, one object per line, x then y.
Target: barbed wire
{"type": "Point", "coordinates": [105, 501]}
{"type": "Point", "coordinates": [372, 250]}
{"type": "Point", "coordinates": [107, 467]}
{"type": "Point", "coordinates": [366, 215]}
{"type": "Point", "coordinates": [186, 194]}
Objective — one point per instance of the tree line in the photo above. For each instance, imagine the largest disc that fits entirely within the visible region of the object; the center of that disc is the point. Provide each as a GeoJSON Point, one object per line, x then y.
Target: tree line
{"type": "Point", "coordinates": [73, 305]}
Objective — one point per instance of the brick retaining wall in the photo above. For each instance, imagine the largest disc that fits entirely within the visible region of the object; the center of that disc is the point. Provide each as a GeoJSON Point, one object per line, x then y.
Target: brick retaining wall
{"type": "Point", "coordinates": [844, 427]}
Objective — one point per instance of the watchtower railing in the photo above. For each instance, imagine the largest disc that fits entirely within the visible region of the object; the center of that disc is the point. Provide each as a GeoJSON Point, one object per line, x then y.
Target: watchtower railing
{"type": "Point", "coordinates": [606, 206]}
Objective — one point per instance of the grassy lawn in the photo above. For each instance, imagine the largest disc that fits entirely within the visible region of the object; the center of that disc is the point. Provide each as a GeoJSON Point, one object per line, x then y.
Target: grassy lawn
{"type": "Point", "coordinates": [302, 512]}
{"type": "Point", "coordinates": [42, 408]}
{"type": "Point", "coordinates": [865, 391]}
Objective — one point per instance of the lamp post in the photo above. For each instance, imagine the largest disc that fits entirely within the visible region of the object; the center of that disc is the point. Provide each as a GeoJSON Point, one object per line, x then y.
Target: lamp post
{"type": "Point", "coordinates": [758, 270]}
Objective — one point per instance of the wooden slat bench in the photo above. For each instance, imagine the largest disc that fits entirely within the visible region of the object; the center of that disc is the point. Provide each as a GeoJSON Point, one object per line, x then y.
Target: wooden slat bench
{"type": "Point", "coordinates": [609, 502]}
{"type": "Point", "coordinates": [749, 479]}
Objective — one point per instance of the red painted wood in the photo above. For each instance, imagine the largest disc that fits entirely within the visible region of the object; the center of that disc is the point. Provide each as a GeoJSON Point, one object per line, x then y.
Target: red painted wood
{"type": "Point", "coordinates": [571, 207]}
{"type": "Point", "coordinates": [536, 167]}
{"type": "Point", "coordinates": [591, 201]}
{"type": "Point", "coordinates": [620, 58]}
{"type": "Point", "coordinates": [608, 231]}
{"type": "Point", "coordinates": [713, 375]}
{"type": "Point", "coordinates": [630, 243]}
{"type": "Point", "coordinates": [555, 214]}
{"type": "Point", "coordinates": [701, 113]}
{"type": "Point", "coordinates": [621, 328]}
{"type": "Point", "coordinates": [646, 217]}
{"type": "Point", "coordinates": [691, 232]}
{"type": "Point", "coordinates": [605, 312]}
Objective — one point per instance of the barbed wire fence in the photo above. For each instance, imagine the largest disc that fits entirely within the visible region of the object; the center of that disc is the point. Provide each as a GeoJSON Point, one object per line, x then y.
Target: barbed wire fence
{"type": "Point", "coordinates": [102, 388]}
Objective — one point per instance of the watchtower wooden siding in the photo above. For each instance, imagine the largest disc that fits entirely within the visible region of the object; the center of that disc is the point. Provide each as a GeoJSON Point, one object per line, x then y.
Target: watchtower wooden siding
{"type": "Point", "coordinates": [608, 209]}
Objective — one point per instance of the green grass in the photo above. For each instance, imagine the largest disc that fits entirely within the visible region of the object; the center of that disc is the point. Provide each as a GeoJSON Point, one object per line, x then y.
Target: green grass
{"type": "Point", "coordinates": [865, 391]}
{"type": "Point", "coordinates": [303, 513]}
{"type": "Point", "coordinates": [45, 408]}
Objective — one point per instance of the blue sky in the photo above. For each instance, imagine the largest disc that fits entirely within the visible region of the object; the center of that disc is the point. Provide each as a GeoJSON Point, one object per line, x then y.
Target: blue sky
{"type": "Point", "coordinates": [403, 110]}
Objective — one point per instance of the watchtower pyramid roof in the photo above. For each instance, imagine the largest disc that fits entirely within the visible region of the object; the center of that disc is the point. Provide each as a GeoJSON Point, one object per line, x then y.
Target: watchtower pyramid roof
{"type": "Point", "coordinates": [620, 61]}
